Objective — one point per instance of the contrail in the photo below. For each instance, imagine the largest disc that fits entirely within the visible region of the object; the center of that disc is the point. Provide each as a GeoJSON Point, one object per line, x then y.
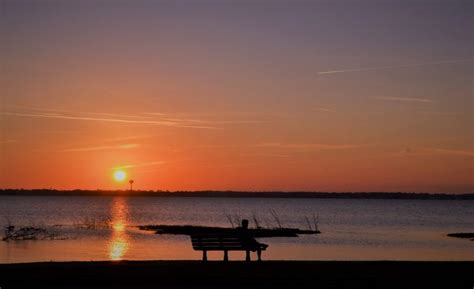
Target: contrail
{"type": "Point", "coordinates": [404, 99]}
{"type": "Point", "coordinates": [149, 122]}
{"type": "Point", "coordinates": [392, 67]}
{"type": "Point", "coordinates": [100, 148]}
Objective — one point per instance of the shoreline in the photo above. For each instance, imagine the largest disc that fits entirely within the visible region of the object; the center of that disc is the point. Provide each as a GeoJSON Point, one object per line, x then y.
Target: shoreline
{"type": "Point", "coordinates": [239, 274]}
{"type": "Point", "coordinates": [242, 194]}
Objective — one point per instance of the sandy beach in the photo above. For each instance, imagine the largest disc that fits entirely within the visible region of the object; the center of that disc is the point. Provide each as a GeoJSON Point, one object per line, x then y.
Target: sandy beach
{"type": "Point", "coordinates": [216, 274]}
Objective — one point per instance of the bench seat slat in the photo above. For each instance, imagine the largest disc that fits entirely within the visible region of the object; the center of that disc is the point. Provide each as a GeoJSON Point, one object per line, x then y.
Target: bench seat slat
{"type": "Point", "coordinates": [217, 240]}
{"type": "Point", "coordinates": [217, 243]}
{"type": "Point", "coordinates": [222, 248]}
{"type": "Point", "coordinates": [224, 242]}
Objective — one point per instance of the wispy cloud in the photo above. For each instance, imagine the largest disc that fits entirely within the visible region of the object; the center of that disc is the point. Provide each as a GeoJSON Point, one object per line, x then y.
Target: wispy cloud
{"type": "Point", "coordinates": [439, 113]}
{"type": "Point", "coordinates": [269, 155]}
{"type": "Point", "coordinates": [154, 113]}
{"type": "Point", "coordinates": [48, 111]}
{"type": "Point", "coordinates": [242, 121]}
{"type": "Point", "coordinates": [210, 122]}
{"type": "Point", "coordinates": [7, 141]}
{"type": "Point", "coordinates": [101, 148]}
{"type": "Point", "coordinates": [155, 163]}
{"type": "Point", "coordinates": [99, 119]}
{"type": "Point", "coordinates": [148, 171]}
{"type": "Point", "coordinates": [405, 99]}
{"type": "Point", "coordinates": [58, 132]}
{"type": "Point", "coordinates": [147, 118]}
{"type": "Point", "coordinates": [467, 153]}
{"type": "Point", "coordinates": [132, 137]}
{"type": "Point", "coordinates": [58, 116]}
{"type": "Point", "coordinates": [429, 151]}
{"type": "Point", "coordinates": [393, 66]}
{"type": "Point", "coordinates": [118, 115]}
{"type": "Point", "coordinates": [324, 109]}
{"type": "Point", "coordinates": [310, 146]}
{"type": "Point", "coordinates": [185, 120]}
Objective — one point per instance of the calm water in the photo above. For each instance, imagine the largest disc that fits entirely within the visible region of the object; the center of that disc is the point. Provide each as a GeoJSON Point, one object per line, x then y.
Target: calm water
{"type": "Point", "coordinates": [351, 229]}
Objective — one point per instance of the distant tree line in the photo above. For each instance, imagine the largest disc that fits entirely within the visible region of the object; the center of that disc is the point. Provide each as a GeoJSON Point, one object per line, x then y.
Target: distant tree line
{"type": "Point", "coordinates": [240, 194]}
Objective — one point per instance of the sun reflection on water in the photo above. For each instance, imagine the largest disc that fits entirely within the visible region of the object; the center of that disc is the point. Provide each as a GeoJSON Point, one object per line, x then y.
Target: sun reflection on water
{"type": "Point", "coordinates": [119, 242]}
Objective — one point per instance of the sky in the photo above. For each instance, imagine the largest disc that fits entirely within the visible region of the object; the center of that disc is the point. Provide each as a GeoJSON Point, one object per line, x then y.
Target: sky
{"type": "Point", "coordinates": [238, 95]}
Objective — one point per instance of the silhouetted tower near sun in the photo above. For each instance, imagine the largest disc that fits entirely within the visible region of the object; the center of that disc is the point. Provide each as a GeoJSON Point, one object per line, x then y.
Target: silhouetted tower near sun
{"type": "Point", "coordinates": [131, 185]}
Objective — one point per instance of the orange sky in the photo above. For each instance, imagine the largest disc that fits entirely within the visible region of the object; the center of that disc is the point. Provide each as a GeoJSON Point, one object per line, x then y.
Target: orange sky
{"type": "Point", "coordinates": [237, 96]}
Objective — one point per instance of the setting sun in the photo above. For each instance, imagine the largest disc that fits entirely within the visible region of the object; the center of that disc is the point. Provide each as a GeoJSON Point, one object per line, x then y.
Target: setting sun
{"type": "Point", "coordinates": [120, 175]}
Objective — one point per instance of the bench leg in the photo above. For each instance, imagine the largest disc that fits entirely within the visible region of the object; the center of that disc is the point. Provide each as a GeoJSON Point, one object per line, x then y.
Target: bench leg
{"type": "Point", "coordinates": [204, 255]}
{"type": "Point", "coordinates": [259, 254]}
{"type": "Point", "coordinates": [247, 256]}
{"type": "Point", "coordinates": [226, 256]}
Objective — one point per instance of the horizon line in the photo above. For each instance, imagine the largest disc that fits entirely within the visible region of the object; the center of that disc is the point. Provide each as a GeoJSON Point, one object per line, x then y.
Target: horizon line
{"type": "Point", "coordinates": [235, 192]}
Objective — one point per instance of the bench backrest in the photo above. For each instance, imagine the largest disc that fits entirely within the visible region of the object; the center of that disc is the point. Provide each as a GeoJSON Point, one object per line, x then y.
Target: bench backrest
{"type": "Point", "coordinates": [220, 242]}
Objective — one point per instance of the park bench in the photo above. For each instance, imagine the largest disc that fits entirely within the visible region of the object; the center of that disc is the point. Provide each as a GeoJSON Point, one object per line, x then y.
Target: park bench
{"type": "Point", "coordinates": [226, 243]}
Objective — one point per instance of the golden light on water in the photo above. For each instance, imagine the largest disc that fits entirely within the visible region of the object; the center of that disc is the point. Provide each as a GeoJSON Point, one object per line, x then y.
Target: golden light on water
{"type": "Point", "coordinates": [119, 242]}
{"type": "Point", "coordinates": [118, 248]}
{"type": "Point", "coordinates": [118, 227]}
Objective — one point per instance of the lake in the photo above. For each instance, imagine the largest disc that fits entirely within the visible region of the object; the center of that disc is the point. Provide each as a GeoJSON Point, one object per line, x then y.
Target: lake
{"type": "Point", "coordinates": [104, 228]}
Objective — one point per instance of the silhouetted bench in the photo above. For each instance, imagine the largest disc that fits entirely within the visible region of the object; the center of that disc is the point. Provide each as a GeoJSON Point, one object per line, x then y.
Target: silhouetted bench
{"type": "Point", "coordinates": [226, 243]}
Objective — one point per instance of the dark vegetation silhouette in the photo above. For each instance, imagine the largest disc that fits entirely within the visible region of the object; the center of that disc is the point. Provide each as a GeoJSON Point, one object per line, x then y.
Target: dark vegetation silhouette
{"type": "Point", "coordinates": [238, 194]}
{"type": "Point", "coordinates": [258, 233]}
{"type": "Point", "coordinates": [462, 235]}
{"type": "Point", "coordinates": [235, 221]}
